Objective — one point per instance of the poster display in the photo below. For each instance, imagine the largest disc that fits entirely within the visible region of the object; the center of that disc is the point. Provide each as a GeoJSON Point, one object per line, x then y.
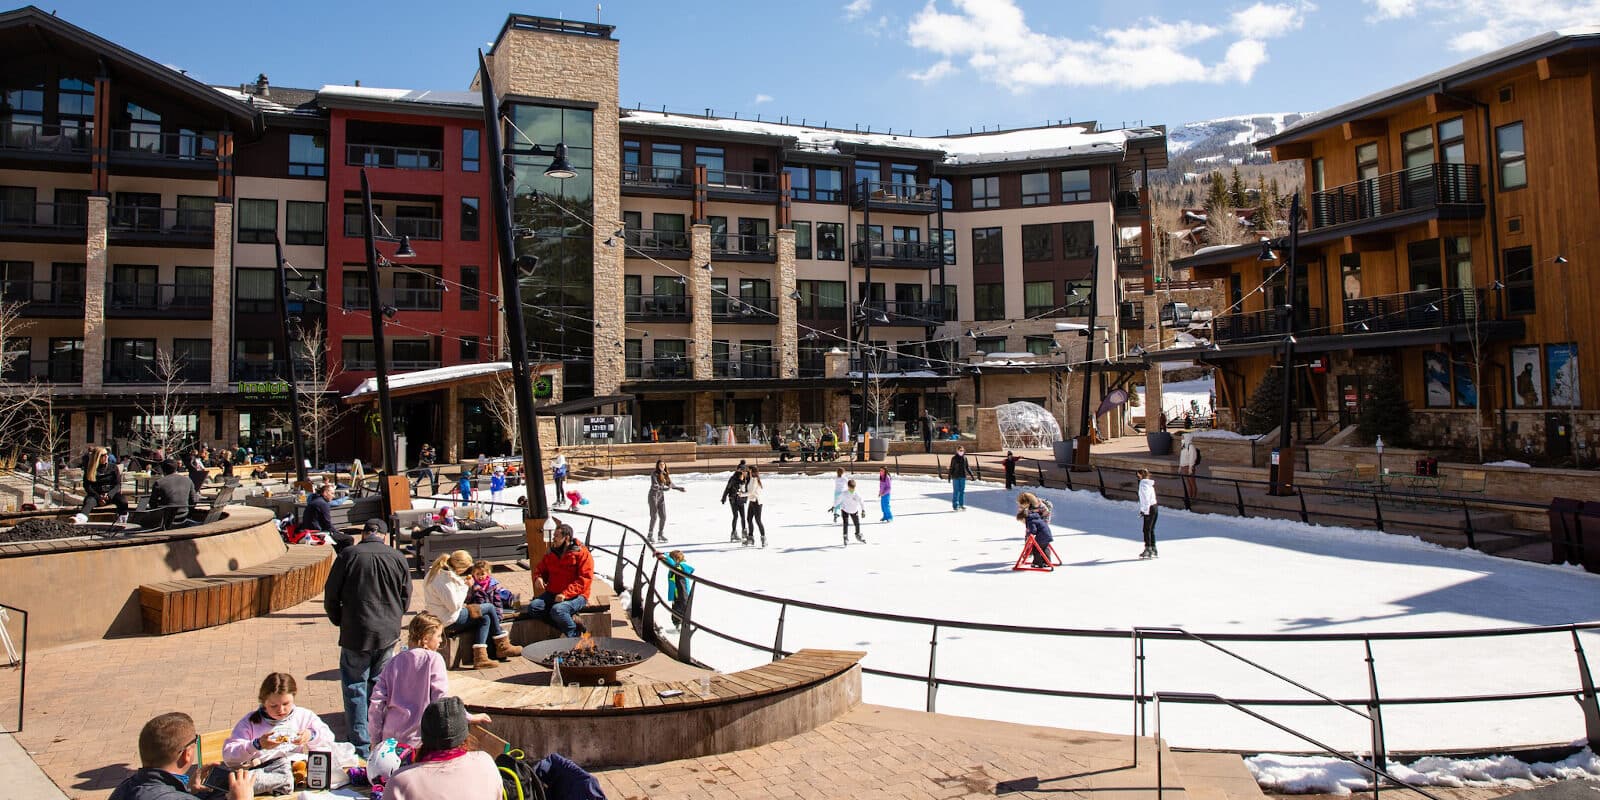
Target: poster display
{"type": "Point", "coordinates": [1561, 364]}
{"type": "Point", "coordinates": [1436, 379]}
{"type": "Point", "coordinates": [1527, 377]}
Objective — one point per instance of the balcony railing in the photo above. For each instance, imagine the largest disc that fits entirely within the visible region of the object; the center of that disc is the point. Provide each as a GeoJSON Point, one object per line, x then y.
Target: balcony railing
{"type": "Point", "coordinates": [658, 368]}
{"type": "Point", "coordinates": [45, 298]}
{"type": "Point", "coordinates": [418, 299]}
{"type": "Point", "coordinates": [814, 367]}
{"type": "Point", "coordinates": [50, 139]}
{"type": "Point", "coordinates": [817, 311]}
{"type": "Point", "coordinates": [907, 312]}
{"type": "Point", "coordinates": [745, 309]}
{"type": "Point", "coordinates": [891, 364]}
{"type": "Point", "coordinates": [27, 220]}
{"type": "Point", "coordinates": [164, 223]}
{"type": "Point", "coordinates": [395, 365]}
{"type": "Point", "coordinates": [1130, 258]}
{"type": "Point", "coordinates": [198, 148]}
{"type": "Point", "coordinates": [1420, 310]}
{"type": "Point", "coordinates": [1426, 186]}
{"type": "Point", "coordinates": [916, 255]}
{"type": "Point", "coordinates": [1130, 314]}
{"type": "Point", "coordinates": [382, 156]}
{"type": "Point", "coordinates": [1127, 202]}
{"type": "Point", "coordinates": [733, 183]}
{"type": "Point", "coordinates": [745, 246]}
{"type": "Point", "coordinates": [909, 198]}
{"type": "Point", "coordinates": [743, 368]}
{"type": "Point", "coordinates": [659, 243]}
{"type": "Point", "coordinates": [160, 300]}
{"type": "Point", "coordinates": [22, 370]}
{"type": "Point", "coordinates": [656, 177]}
{"type": "Point", "coordinates": [255, 305]}
{"type": "Point", "coordinates": [271, 370]}
{"type": "Point", "coordinates": [121, 370]}
{"type": "Point", "coordinates": [1265, 324]}
{"type": "Point", "coordinates": [428, 228]}
{"type": "Point", "coordinates": [657, 306]}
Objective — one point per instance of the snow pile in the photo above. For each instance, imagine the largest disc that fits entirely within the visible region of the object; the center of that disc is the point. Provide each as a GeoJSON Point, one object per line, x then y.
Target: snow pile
{"type": "Point", "coordinates": [1328, 775]}
{"type": "Point", "coordinates": [1507, 463]}
{"type": "Point", "coordinates": [1026, 426]}
{"type": "Point", "coordinates": [1218, 433]}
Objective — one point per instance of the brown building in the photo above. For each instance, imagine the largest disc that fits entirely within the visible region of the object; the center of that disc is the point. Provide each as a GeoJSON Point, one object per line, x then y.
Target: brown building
{"type": "Point", "coordinates": [1451, 229]}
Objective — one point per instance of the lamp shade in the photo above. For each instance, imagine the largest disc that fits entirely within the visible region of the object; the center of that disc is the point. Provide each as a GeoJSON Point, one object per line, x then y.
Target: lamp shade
{"type": "Point", "coordinates": [560, 168]}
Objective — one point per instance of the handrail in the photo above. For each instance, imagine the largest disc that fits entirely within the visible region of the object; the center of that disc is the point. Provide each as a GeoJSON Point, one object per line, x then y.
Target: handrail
{"type": "Point", "coordinates": [16, 658]}
{"type": "Point", "coordinates": [1138, 632]}
{"type": "Point", "coordinates": [1198, 697]}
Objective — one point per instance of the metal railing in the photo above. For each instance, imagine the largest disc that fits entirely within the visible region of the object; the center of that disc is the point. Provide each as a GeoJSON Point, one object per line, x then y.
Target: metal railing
{"type": "Point", "coordinates": [658, 177]}
{"type": "Point", "coordinates": [43, 217]}
{"type": "Point", "coordinates": [914, 311]}
{"type": "Point", "coordinates": [1420, 310]}
{"type": "Point", "coordinates": [1420, 187]}
{"type": "Point", "coordinates": [1264, 324]}
{"type": "Point", "coordinates": [186, 222]}
{"type": "Point", "coordinates": [382, 156]}
{"type": "Point", "coordinates": [174, 300]}
{"type": "Point", "coordinates": [727, 180]}
{"type": "Point", "coordinates": [417, 298]}
{"type": "Point", "coordinates": [1127, 202]}
{"type": "Point", "coordinates": [425, 228]}
{"type": "Point", "coordinates": [273, 370]}
{"type": "Point", "coordinates": [1130, 257]}
{"type": "Point", "coordinates": [664, 243]}
{"type": "Point", "coordinates": [44, 298]}
{"type": "Point", "coordinates": [22, 370]}
{"type": "Point", "coordinates": [884, 365]}
{"type": "Point", "coordinates": [664, 367]}
{"type": "Point", "coordinates": [45, 138]}
{"type": "Point", "coordinates": [751, 245]}
{"type": "Point", "coordinates": [742, 368]}
{"type": "Point", "coordinates": [745, 309]}
{"type": "Point", "coordinates": [137, 371]}
{"type": "Point", "coordinates": [656, 306]}
{"type": "Point", "coordinates": [180, 146]}
{"type": "Point", "coordinates": [916, 197]}
{"type": "Point", "coordinates": [914, 254]}
{"type": "Point", "coordinates": [16, 657]}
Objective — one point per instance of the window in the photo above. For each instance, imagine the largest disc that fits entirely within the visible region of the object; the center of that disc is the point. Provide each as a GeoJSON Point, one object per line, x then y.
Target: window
{"type": "Point", "coordinates": [469, 288]}
{"type": "Point", "coordinates": [1519, 280]}
{"type": "Point", "coordinates": [196, 213]}
{"type": "Point", "coordinates": [713, 160]}
{"type": "Point", "coordinates": [255, 291]}
{"type": "Point", "coordinates": [802, 239]}
{"type": "Point", "coordinates": [830, 241]}
{"type": "Point", "coordinates": [989, 344]}
{"type": "Point", "coordinates": [988, 301]}
{"type": "Point", "coordinates": [192, 287]}
{"type": "Point", "coordinates": [949, 237]}
{"type": "Point", "coordinates": [869, 172]}
{"type": "Point", "coordinates": [829, 184]}
{"type": "Point", "coordinates": [469, 349]}
{"type": "Point", "coordinates": [144, 129]}
{"type": "Point", "coordinates": [948, 297]}
{"type": "Point", "coordinates": [193, 357]}
{"type": "Point", "coordinates": [633, 357]}
{"type": "Point", "coordinates": [72, 206]}
{"type": "Point", "coordinates": [1367, 161]}
{"type": "Point", "coordinates": [1077, 297]}
{"type": "Point", "coordinates": [258, 221]}
{"type": "Point", "coordinates": [947, 193]}
{"type": "Point", "coordinates": [719, 233]}
{"type": "Point", "coordinates": [308, 155]}
{"type": "Point", "coordinates": [1077, 239]}
{"type": "Point", "coordinates": [17, 205]}
{"type": "Point", "coordinates": [666, 163]}
{"type": "Point", "coordinates": [986, 192]}
{"type": "Point", "coordinates": [1040, 345]}
{"type": "Point", "coordinates": [799, 182]}
{"type": "Point", "coordinates": [470, 149]}
{"type": "Point", "coordinates": [66, 360]}
{"type": "Point", "coordinates": [1038, 298]}
{"type": "Point", "coordinates": [870, 294]}
{"type": "Point", "coordinates": [1075, 185]}
{"type": "Point", "coordinates": [1035, 188]}
{"type": "Point", "coordinates": [755, 235]}
{"type": "Point", "coordinates": [358, 354]}
{"type": "Point", "coordinates": [1452, 141]}
{"type": "Point", "coordinates": [306, 222]}
{"type": "Point", "coordinates": [1511, 157]}
{"type": "Point", "coordinates": [410, 352]}
{"type": "Point", "coordinates": [987, 247]}
{"type": "Point", "coordinates": [903, 177]}
{"type": "Point", "coordinates": [1319, 175]}
{"type": "Point", "coordinates": [1417, 148]}
{"type": "Point", "coordinates": [822, 299]}
{"type": "Point", "coordinates": [130, 360]}
{"type": "Point", "coordinates": [669, 230]}
{"type": "Point", "coordinates": [354, 286]}
{"type": "Point", "coordinates": [469, 219]}
{"type": "Point", "coordinates": [1037, 243]}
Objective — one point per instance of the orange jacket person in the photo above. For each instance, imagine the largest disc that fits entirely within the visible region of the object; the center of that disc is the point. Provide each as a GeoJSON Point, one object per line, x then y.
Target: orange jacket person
{"type": "Point", "coordinates": [562, 582]}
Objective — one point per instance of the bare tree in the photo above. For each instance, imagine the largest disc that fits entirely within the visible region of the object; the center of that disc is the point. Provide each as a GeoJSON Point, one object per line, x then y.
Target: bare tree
{"type": "Point", "coordinates": [17, 397]}
{"type": "Point", "coordinates": [319, 406]}
{"type": "Point", "coordinates": [501, 402]}
{"type": "Point", "coordinates": [166, 417]}
{"type": "Point", "coordinates": [48, 434]}
{"type": "Point", "coordinates": [878, 395]}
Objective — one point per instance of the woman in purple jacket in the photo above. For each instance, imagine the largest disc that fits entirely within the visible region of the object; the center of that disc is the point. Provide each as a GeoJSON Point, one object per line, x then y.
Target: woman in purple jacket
{"type": "Point", "coordinates": [883, 495]}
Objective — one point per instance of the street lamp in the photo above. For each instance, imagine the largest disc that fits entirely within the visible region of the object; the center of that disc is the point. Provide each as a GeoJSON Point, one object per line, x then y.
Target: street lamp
{"type": "Point", "coordinates": [1283, 467]}
{"type": "Point", "coordinates": [536, 514]}
{"type": "Point", "coordinates": [377, 314]}
{"type": "Point", "coordinates": [1080, 454]}
{"type": "Point", "coordinates": [300, 475]}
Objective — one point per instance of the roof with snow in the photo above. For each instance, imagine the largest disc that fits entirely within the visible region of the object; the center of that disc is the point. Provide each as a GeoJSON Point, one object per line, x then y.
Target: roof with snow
{"type": "Point", "coordinates": [380, 99]}
{"type": "Point", "coordinates": [427, 378]}
{"type": "Point", "coordinates": [1521, 53]}
{"type": "Point", "coordinates": [1055, 141]}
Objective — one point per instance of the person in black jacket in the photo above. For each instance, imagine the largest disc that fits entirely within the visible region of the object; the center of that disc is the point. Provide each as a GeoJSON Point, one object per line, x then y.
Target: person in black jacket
{"type": "Point", "coordinates": [318, 516]}
{"type": "Point", "coordinates": [102, 483]}
{"type": "Point", "coordinates": [167, 746]}
{"type": "Point", "coordinates": [173, 494]}
{"type": "Point", "coordinates": [368, 591]}
{"type": "Point", "coordinates": [1010, 463]}
{"type": "Point", "coordinates": [424, 469]}
{"type": "Point", "coordinates": [958, 480]}
{"type": "Point", "coordinates": [927, 432]}
{"type": "Point", "coordinates": [733, 496]}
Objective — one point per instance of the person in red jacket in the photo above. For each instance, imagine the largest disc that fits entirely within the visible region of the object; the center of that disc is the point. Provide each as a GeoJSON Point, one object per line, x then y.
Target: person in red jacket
{"type": "Point", "coordinates": [562, 582]}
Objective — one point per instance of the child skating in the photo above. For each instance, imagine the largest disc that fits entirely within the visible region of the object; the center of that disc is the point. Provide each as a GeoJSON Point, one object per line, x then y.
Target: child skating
{"type": "Point", "coordinates": [850, 507]}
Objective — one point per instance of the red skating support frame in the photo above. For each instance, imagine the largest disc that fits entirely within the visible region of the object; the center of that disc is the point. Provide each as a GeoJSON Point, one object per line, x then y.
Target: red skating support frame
{"type": "Point", "coordinates": [1047, 552]}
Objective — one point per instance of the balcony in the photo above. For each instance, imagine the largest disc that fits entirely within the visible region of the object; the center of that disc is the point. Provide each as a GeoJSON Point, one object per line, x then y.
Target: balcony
{"type": "Point", "coordinates": [657, 307]}
{"type": "Point", "coordinates": [369, 365]}
{"type": "Point", "coordinates": [657, 181]}
{"type": "Point", "coordinates": [57, 371]}
{"type": "Point", "coordinates": [43, 222]}
{"type": "Point", "coordinates": [742, 368]}
{"type": "Point", "coordinates": [904, 255]}
{"type": "Point", "coordinates": [907, 312]}
{"type": "Point", "coordinates": [1410, 311]}
{"type": "Point", "coordinates": [44, 142]}
{"type": "Point", "coordinates": [745, 247]}
{"type": "Point", "coordinates": [138, 370]}
{"type": "Point", "coordinates": [175, 227]}
{"type": "Point", "coordinates": [183, 150]}
{"type": "Point", "coordinates": [1264, 324]}
{"type": "Point", "coordinates": [896, 197]}
{"type": "Point", "coordinates": [813, 367]}
{"type": "Point", "coordinates": [1130, 260]}
{"type": "Point", "coordinates": [724, 184]}
{"type": "Point", "coordinates": [1126, 204]}
{"type": "Point", "coordinates": [380, 156]}
{"type": "Point", "coordinates": [658, 243]}
{"type": "Point", "coordinates": [1130, 314]}
{"type": "Point", "coordinates": [422, 228]}
{"type": "Point", "coordinates": [751, 310]}
{"type": "Point", "coordinates": [886, 365]}
{"type": "Point", "coordinates": [276, 369]}
{"type": "Point", "coordinates": [158, 301]}
{"type": "Point", "coordinates": [661, 367]}
{"type": "Point", "coordinates": [817, 312]}
{"type": "Point", "coordinates": [1438, 190]}
{"type": "Point", "coordinates": [60, 299]}
{"type": "Point", "coordinates": [417, 299]}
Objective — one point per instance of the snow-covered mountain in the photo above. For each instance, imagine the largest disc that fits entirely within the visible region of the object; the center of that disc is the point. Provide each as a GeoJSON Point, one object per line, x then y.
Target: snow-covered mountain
{"type": "Point", "coordinates": [1224, 134]}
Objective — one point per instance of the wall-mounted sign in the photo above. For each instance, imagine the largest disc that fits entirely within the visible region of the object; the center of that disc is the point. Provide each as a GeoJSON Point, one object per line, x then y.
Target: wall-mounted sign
{"type": "Point", "coordinates": [599, 427]}
{"type": "Point", "coordinates": [264, 390]}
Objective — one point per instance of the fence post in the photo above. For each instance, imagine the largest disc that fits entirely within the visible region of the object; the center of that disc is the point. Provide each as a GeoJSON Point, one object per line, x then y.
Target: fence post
{"type": "Point", "coordinates": [1238, 497]}
{"type": "Point", "coordinates": [635, 605]}
{"type": "Point", "coordinates": [1377, 505]}
{"type": "Point", "coordinates": [1591, 709]}
{"type": "Point", "coordinates": [1375, 709]}
{"type": "Point", "coordinates": [1138, 692]}
{"type": "Point", "coordinates": [1040, 467]}
{"type": "Point", "coordinates": [1466, 510]}
{"type": "Point", "coordinates": [777, 641]}
{"type": "Point", "coordinates": [933, 652]}
{"type": "Point", "coordinates": [1304, 517]}
{"type": "Point", "coordinates": [1102, 477]}
{"type": "Point", "coordinates": [622, 550]}
{"type": "Point", "coordinates": [647, 613]}
{"type": "Point", "coordinates": [686, 626]}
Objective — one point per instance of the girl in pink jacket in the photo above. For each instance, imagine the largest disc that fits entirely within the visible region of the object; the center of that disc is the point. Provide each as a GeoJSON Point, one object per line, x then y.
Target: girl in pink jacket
{"type": "Point", "coordinates": [410, 682]}
{"type": "Point", "coordinates": [278, 726]}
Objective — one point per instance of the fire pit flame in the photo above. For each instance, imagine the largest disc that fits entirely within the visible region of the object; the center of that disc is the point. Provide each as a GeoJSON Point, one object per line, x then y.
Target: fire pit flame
{"type": "Point", "coordinates": [585, 642]}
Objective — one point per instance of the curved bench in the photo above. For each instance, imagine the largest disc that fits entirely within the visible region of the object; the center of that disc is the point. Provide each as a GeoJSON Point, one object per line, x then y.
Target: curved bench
{"type": "Point", "coordinates": [746, 709]}
{"type": "Point", "coordinates": [192, 603]}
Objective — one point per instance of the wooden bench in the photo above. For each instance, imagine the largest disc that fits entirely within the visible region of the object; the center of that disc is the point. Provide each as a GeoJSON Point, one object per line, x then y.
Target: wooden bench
{"type": "Point", "coordinates": [490, 544]}
{"type": "Point", "coordinates": [192, 603]}
{"type": "Point", "coordinates": [595, 618]}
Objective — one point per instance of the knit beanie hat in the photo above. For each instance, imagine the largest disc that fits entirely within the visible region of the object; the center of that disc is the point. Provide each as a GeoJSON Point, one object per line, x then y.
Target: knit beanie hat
{"type": "Point", "coordinates": [444, 724]}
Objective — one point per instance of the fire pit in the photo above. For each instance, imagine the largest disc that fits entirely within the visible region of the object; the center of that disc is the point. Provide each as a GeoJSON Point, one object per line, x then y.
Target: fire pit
{"type": "Point", "coordinates": [45, 528]}
{"type": "Point", "coordinates": [589, 658]}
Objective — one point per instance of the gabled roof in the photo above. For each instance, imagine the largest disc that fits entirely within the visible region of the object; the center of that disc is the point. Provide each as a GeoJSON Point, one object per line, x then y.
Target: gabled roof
{"type": "Point", "coordinates": [402, 101]}
{"type": "Point", "coordinates": [117, 55]}
{"type": "Point", "coordinates": [1523, 52]}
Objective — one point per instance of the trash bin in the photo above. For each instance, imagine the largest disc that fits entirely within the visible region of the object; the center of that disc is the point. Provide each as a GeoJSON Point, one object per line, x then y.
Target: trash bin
{"type": "Point", "coordinates": [1159, 442]}
{"type": "Point", "coordinates": [1063, 450]}
{"type": "Point", "coordinates": [880, 448]}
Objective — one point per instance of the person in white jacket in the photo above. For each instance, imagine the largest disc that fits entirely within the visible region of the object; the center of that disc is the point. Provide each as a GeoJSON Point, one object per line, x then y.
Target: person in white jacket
{"type": "Point", "coordinates": [445, 592]}
{"type": "Point", "coordinates": [850, 507]}
{"type": "Point", "coordinates": [753, 491]}
{"type": "Point", "coordinates": [1148, 509]}
{"type": "Point", "coordinates": [1188, 459]}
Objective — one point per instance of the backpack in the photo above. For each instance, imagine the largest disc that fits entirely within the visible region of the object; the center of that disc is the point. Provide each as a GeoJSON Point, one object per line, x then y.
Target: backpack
{"type": "Point", "coordinates": [554, 778]}
{"type": "Point", "coordinates": [518, 779]}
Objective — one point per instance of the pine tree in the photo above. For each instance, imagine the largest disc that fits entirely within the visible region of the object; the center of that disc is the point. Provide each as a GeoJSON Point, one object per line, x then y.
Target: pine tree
{"type": "Point", "coordinates": [1384, 411]}
{"type": "Point", "coordinates": [1263, 207]}
{"type": "Point", "coordinates": [1217, 200]}
{"type": "Point", "coordinates": [1236, 190]}
{"type": "Point", "coordinates": [1266, 404]}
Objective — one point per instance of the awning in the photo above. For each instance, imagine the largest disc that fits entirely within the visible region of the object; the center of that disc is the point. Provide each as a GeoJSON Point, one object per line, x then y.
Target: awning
{"type": "Point", "coordinates": [427, 380]}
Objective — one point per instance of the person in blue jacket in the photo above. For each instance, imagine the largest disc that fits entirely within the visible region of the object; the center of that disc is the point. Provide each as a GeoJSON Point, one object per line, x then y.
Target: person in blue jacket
{"type": "Point", "coordinates": [1035, 516]}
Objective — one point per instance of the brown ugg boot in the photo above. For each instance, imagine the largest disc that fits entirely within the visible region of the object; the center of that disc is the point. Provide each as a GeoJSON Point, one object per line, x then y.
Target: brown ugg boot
{"type": "Point", "coordinates": [480, 657]}
{"type": "Point", "coordinates": [504, 649]}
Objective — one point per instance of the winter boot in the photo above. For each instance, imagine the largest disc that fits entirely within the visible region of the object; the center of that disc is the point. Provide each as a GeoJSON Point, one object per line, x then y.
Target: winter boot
{"type": "Point", "coordinates": [661, 538]}
{"type": "Point", "coordinates": [480, 657]}
{"type": "Point", "coordinates": [504, 649]}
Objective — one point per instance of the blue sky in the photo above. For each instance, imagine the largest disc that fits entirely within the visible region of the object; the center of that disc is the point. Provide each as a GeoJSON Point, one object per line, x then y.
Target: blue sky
{"type": "Point", "coordinates": [907, 64]}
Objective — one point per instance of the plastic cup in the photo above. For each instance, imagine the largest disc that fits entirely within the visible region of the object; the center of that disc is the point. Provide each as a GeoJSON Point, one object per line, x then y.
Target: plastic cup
{"type": "Point", "coordinates": [705, 685]}
{"type": "Point", "coordinates": [574, 693]}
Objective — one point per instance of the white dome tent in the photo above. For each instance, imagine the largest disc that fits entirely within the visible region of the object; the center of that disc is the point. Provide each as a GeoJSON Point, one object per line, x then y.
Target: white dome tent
{"type": "Point", "coordinates": [1026, 426]}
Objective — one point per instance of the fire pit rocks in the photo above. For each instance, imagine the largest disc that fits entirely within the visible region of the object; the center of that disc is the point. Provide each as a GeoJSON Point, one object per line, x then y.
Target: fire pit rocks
{"type": "Point", "coordinates": [589, 658]}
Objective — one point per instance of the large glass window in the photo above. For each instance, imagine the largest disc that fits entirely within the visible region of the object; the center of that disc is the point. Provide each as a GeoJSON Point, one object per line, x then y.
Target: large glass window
{"type": "Point", "coordinates": [1417, 147]}
{"type": "Point", "coordinates": [1452, 141]}
{"type": "Point", "coordinates": [1511, 156]}
{"type": "Point", "coordinates": [1038, 243]}
{"type": "Point", "coordinates": [666, 163]}
{"type": "Point", "coordinates": [713, 159]}
{"type": "Point", "coordinates": [258, 221]}
{"type": "Point", "coordinates": [987, 247]}
{"type": "Point", "coordinates": [255, 291]}
{"type": "Point", "coordinates": [469, 288]}
{"type": "Point", "coordinates": [988, 301]}
{"type": "Point", "coordinates": [799, 182]}
{"type": "Point", "coordinates": [144, 129]}
{"type": "Point", "coordinates": [986, 192]}
{"type": "Point", "coordinates": [469, 219]}
{"type": "Point", "coordinates": [1038, 298]}
{"type": "Point", "coordinates": [868, 171]}
{"type": "Point", "coordinates": [305, 221]}
{"type": "Point", "coordinates": [949, 237]}
{"type": "Point", "coordinates": [1519, 281]}
{"type": "Point", "coordinates": [829, 183]}
{"type": "Point", "coordinates": [830, 241]}
{"type": "Point", "coordinates": [308, 155]}
{"type": "Point", "coordinates": [1035, 188]}
{"type": "Point", "coordinates": [1077, 239]}
{"type": "Point", "coordinates": [947, 194]}
{"type": "Point", "coordinates": [802, 239]}
{"type": "Point", "coordinates": [1075, 187]}
{"type": "Point", "coordinates": [471, 149]}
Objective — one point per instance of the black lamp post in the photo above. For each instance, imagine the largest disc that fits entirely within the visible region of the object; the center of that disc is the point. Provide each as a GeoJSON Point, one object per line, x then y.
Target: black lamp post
{"type": "Point", "coordinates": [1282, 478]}
{"type": "Point", "coordinates": [380, 358]}
{"type": "Point", "coordinates": [300, 475]}
{"type": "Point", "coordinates": [537, 510]}
{"type": "Point", "coordinates": [1080, 454]}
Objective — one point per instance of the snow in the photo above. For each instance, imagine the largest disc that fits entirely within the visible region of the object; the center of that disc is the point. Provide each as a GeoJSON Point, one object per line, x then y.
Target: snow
{"type": "Point", "coordinates": [429, 96]}
{"type": "Point", "coordinates": [424, 377]}
{"type": "Point", "coordinates": [1176, 396]}
{"type": "Point", "coordinates": [1213, 248]}
{"type": "Point", "coordinates": [1507, 463]}
{"type": "Point", "coordinates": [1218, 433]}
{"type": "Point", "coordinates": [1240, 130]}
{"type": "Point", "coordinates": [1215, 574]}
{"type": "Point", "coordinates": [1327, 775]}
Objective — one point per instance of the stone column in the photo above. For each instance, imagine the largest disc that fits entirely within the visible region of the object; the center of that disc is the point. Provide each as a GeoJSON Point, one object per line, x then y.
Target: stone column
{"type": "Point", "coordinates": [452, 425]}
{"type": "Point", "coordinates": [94, 294]}
{"type": "Point", "coordinates": [788, 310]}
{"type": "Point", "coordinates": [789, 409]}
{"type": "Point", "coordinates": [700, 301]}
{"type": "Point", "coordinates": [230, 428]}
{"type": "Point", "coordinates": [1153, 341]}
{"type": "Point", "coordinates": [222, 296]}
{"type": "Point", "coordinates": [705, 405]}
{"type": "Point", "coordinates": [78, 437]}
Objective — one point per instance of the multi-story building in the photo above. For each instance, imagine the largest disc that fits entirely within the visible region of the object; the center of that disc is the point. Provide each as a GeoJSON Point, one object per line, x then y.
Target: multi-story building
{"type": "Point", "coordinates": [707, 270]}
{"type": "Point", "coordinates": [1448, 229]}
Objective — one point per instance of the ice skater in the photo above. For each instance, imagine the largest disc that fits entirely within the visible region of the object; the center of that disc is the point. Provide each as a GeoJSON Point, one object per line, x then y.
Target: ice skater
{"type": "Point", "coordinates": [840, 483]}
{"type": "Point", "coordinates": [1010, 463]}
{"type": "Point", "coordinates": [752, 514]}
{"type": "Point", "coordinates": [850, 507]}
{"type": "Point", "coordinates": [884, 485]}
{"type": "Point", "coordinates": [497, 484]}
{"type": "Point", "coordinates": [958, 480]}
{"type": "Point", "coordinates": [1188, 459]}
{"type": "Point", "coordinates": [558, 471]}
{"type": "Point", "coordinates": [660, 482]}
{"type": "Point", "coordinates": [1148, 509]}
{"type": "Point", "coordinates": [733, 496]}
{"type": "Point", "coordinates": [1035, 517]}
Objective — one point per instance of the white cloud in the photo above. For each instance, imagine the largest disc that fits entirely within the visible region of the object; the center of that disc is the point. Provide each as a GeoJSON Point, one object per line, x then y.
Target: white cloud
{"type": "Point", "coordinates": [856, 9]}
{"type": "Point", "coordinates": [1479, 25]}
{"type": "Point", "coordinates": [762, 98]}
{"type": "Point", "coordinates": [993, 38]}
